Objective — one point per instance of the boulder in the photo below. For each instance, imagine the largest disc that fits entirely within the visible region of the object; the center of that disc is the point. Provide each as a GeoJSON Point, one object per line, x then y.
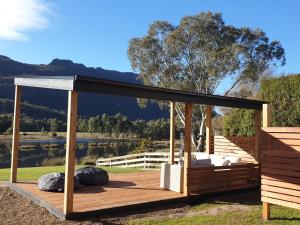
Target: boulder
{"type": "Point", "coordinates": [91, 175]}
{"type": "Point", "coordinates": [55, 182]}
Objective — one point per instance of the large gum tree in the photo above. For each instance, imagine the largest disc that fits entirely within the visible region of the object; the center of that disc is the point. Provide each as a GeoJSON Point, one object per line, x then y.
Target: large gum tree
{"type": "Point", "coordinates": [197, 55]}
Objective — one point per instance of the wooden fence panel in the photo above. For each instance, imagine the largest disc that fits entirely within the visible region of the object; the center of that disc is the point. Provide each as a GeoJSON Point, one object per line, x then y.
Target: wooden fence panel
{"type": "Point", "coordinates": [243, 147]}
{"type": "Point", "coordinates": [281, 166]}
{"type": "Point", "coordinates": [223, 178]}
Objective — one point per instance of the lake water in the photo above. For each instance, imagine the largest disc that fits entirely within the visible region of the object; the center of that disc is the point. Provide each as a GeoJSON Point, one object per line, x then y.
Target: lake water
{"type": "Point", "coordinates": [47, 152]}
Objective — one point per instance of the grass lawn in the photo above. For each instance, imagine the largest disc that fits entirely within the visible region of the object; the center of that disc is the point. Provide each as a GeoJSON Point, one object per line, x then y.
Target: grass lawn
{"type": "Point", "coordinates": [215, 214]}
{"type": "Point", "coordinates": [33, 173]}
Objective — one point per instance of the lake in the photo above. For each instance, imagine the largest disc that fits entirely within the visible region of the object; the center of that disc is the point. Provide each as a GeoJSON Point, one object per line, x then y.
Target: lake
{"type": "Point", "coordinates": [52, 152]}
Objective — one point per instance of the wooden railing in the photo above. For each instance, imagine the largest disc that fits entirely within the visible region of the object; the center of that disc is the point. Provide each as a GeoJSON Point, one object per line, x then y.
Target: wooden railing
{"type": "Point", "coordinates": [141, 160]}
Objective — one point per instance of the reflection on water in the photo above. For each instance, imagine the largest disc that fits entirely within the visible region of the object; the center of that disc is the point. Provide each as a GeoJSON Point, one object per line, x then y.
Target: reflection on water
{"type": "Point", "coordinates": [52, 152]}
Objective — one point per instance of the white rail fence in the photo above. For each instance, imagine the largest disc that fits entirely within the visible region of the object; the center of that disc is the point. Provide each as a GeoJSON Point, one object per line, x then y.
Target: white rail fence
{"type": "Point", "coordinates": [141, 160]}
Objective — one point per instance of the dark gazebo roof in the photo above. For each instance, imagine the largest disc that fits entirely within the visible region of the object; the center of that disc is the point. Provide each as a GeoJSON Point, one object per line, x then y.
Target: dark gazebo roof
{"type": "Point", "coordinates": [97, 85]}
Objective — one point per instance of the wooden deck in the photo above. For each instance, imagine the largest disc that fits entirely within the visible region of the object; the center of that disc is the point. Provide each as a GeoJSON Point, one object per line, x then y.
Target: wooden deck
{"type": "Point", "coordinates": [123, 192]}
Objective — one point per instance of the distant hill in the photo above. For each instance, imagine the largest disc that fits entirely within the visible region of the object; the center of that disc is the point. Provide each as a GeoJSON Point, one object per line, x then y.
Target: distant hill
{"type": "Point", "coordinates": [35, 111]}
{"type": "Point", "coordinates": [89, 104]}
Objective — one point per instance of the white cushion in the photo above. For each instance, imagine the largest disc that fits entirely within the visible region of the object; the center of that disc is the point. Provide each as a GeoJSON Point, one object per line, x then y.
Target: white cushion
{"type": "Point", "coordinates": [201, 155]}
{"type": "Point", "coordinates": [233, 159]}
{"type": "Point", "coordinates": [220, 162]}
{"type": "Point", "coordinates": [216, 157]}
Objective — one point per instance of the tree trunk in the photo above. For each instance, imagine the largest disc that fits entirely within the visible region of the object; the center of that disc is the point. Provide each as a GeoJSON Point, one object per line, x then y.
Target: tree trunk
{"type": "Point", "coordinates": [201, 139]}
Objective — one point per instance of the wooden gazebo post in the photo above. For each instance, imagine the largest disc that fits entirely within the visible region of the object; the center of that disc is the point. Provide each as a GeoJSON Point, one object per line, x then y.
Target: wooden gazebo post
{"type": "Point", "coordinates": [172, 132]}
{"type": "Point", "coordinates": [266, 123]}
{"type": "Point", "coordinates": [15, 136]}
{"type": "Point", "coordinates": [187, 147]}
{"type": "Point", "coordinates": [208, 132]}
{"type": "Point", "coordinates": [257, 125]}
{"type": "Point", "coordinates": [70, 151]}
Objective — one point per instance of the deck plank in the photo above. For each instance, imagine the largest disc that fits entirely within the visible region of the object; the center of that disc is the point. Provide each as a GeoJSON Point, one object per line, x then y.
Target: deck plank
{"type": "Point", "coordinates": [122, 189]}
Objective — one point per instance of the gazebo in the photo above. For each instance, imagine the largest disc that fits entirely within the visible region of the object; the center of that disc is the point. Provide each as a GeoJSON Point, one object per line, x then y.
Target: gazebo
{"type": "Point", "coordinates": [249, 173]}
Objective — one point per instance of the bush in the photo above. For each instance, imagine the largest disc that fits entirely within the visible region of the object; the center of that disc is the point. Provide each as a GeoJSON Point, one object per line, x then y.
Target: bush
{"type": "Point", "coordinates": [146, 145]}
{"type": "Point", "coordinates": [240, 122]}
{"type": "Point", "coordinates": [88, 161]}
{"type": "Point", "coordinates": [283, 93]}
{"type": "Point", "coordinates": [53, 162]}
{"type": "Point", "coordinates": [9, 130]}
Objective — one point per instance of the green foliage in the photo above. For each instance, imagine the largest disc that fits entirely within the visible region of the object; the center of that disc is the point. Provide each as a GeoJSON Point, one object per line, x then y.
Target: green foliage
{"type": "Point", "coordinates": [146, 145]}
{"type": "Point", "coordinates": [36, 111]}
{"type": "Point", "coordinates": [198, 54]}
{"type": "Point", "coordinates": [9, 130]}
{"type": "Point", "coordinates": [240, 122]}
{"type": "Point", "coordinates": [157, 129]}
{"type": "Point", "coordinates": [5, 122]}
{"type": "Point", "coordinates": [105, 124]}
{"type": "Point", "coordinates": [57, 161]}
{"type": "Point", "coordinates": [284, 95]}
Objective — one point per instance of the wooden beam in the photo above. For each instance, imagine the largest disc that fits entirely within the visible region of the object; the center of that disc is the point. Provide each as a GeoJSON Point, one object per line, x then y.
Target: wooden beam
{"type": "Point", "coordinates": [266, 211]}
{"type": "Point", "coordinates": [257, 125]}
{"type": "Point", "coordinates": [267, 115]}
{"type": "Point", "coordinates": [209, 134]}
{"type": "Point", "coordinates": [187, 146]}
{"type": "Point", "coordinates": [172, 131]}
{"type": "Point", "coordinates": [15, 136]}
{"type": "Point", "coordinates": [70, 151]}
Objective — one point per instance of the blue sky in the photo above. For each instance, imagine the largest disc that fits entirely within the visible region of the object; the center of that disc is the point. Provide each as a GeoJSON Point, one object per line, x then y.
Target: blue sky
{"type": "Point", "coordinates": [96, 32]}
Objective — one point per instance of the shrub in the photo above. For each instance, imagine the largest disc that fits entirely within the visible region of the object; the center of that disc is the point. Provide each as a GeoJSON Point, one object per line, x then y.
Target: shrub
{"type": "Point", "coordinates": [240, 122]}
{"type": "Point", "coordinates": [283, 93]}
{"type": "Point", "coordinates": [88, 161]}
{"type": "Point", "coordinates": [53, 162]}
{"type": "Point", "coordinates": [9, 130]}
{"type": "Point", "coordinates": [145, 145]}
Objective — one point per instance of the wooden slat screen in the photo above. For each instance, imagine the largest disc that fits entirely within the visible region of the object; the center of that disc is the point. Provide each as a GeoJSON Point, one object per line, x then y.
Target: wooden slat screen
{"type": "Point", "coordinates": [280, 177]}
{"type": "Point", "coordinates": [243, 147]}
{"type": "Point", "coordinates": [223, 178]}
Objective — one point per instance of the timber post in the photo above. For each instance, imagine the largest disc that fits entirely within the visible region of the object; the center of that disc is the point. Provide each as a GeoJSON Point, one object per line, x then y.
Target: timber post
{"type": "Point", "coordinates": [15, 136]}
{"type": "Point", "coordinates": [187, 147]}
{"type": "Point", "coordinates": [266, 123]}
{"type": "Point", "coordinates": [70, 152]}
{"type": "Point", "coordinates": [172, 132]}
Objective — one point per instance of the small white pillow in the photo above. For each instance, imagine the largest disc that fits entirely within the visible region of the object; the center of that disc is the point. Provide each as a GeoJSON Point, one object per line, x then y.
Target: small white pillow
{"type": "Point", "coordinates": [220, 162]}
{"type": "Point", "coordinates": [216, 157]}
{"type": "Point", "coordinates": [233, 159]}
{"type": "Point", "coordinates": [201, 155]}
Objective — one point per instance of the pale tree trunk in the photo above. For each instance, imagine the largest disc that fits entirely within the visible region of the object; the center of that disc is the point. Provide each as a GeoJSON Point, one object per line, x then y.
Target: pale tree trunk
{"type": "Point", "coordinates": [181, 117]}
{"type": "Point", "coordinates": [201, 135]}
{"type": "Point", "coordinates": [198, 144]}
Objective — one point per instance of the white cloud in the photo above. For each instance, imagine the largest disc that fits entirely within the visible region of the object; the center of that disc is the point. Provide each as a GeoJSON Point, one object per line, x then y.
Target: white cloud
{"type": "Point", "coordinates": [19, 16]}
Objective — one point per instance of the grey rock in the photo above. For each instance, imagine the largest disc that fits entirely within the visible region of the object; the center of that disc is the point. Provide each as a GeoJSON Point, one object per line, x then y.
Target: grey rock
{"type": "Point", "coordinates": [55, 182]}
{"type": "Point", "coordinates": [91, 175]}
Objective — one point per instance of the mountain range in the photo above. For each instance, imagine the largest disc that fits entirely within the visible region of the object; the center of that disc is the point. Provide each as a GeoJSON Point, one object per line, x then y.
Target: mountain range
{"type": "Point", "coordinates": [88, 104]}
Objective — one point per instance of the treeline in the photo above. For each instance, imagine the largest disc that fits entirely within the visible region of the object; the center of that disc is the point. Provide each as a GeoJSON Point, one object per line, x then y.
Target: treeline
{"type": "Point", "coordinates": [35, 111]}
{"type": "Point", "coordinates": [107, 125]}
{"type": "Point", "coordinates": [283, 94]}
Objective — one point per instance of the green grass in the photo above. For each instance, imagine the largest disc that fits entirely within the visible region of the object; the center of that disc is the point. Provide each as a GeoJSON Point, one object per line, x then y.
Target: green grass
{"type": "Point", "coordinates": [33, 173]}
{"type": "Point", "coordinates": [252, 216]}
